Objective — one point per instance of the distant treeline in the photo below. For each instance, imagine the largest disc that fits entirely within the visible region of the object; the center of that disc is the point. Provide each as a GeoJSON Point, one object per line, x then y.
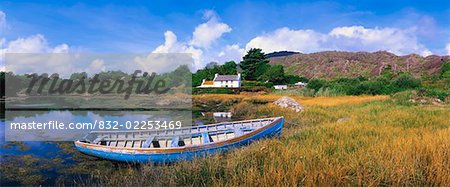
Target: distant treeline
{"type": "Point", "coordinates": [15, 84]}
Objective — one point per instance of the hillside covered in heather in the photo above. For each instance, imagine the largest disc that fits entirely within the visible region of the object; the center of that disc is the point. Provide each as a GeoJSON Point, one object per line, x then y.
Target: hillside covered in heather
{"type": "Point", "coordinates": [334, 64]}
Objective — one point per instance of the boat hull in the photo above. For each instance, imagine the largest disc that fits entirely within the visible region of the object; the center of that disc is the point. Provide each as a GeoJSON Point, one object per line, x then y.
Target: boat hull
{"type": "Point", "coordinates": [149, 155]}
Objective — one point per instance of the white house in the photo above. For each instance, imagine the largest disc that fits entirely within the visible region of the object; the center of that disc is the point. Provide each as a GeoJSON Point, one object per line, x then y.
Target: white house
{"type": "Point", "coordinates": [303, 84]}
{"type": "Point", "coordinates": [280, 87]}
{"type": "Point", "coordinates": [227, 81]}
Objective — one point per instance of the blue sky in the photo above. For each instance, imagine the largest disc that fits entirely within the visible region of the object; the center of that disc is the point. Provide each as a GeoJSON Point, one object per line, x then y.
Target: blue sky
{"type": "Point", "coordinates": [224, 30]}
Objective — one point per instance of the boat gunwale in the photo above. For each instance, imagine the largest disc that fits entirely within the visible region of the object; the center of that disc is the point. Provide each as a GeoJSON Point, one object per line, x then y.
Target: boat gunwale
{"type": "Point", "coordinates": [179, 149]}
{"type": "Point", "coordinates": [190, 127]}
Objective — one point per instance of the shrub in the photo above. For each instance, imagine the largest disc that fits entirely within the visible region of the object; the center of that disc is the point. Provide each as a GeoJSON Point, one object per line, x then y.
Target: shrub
{"type": "Point", "coordinates": [406, 81]}
{"type": "Point", "coordinates": [445, 70]}
{"type": "Point", "coordinates": [372, 87]}
{"type": "Point", "coordinates": [212, 91]}
{"type": "Point", "coordinates": [436, 93]}
{"type": "Point", "coordinates": [403, 98]}
{"type": "Point", "coordinates": [249, 84]}
{"type": "Point", "coordinates": [292, 79]}
{"type": "Point", "coordinates": [316, 84]}
{"type": "Point", "coordinates": [347, 86]}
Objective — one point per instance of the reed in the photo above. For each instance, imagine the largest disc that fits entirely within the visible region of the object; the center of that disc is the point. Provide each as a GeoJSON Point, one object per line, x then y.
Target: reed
{"type": "Point", "coordinates": [322, 101]}
{"type": "Point", "coordinates": [346, 140]}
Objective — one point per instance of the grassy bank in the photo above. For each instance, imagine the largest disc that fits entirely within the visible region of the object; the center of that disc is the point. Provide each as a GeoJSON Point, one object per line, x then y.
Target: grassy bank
{"type": "Point", "coordinates": [336, 141]}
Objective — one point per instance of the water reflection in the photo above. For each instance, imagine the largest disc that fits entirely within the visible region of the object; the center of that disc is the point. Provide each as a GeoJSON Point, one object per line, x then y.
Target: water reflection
{"type": "Point", "coordinates": [59, 163]}
{"type": "Point", "coordinates": [89, 120]}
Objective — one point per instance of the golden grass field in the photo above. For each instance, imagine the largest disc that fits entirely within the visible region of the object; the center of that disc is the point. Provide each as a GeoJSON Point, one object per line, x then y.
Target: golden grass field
{"type": "Point", "coordinates": [348, 140]}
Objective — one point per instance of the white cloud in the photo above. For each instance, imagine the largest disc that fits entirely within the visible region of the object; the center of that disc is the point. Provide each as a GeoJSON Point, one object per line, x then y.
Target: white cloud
{"type": "Point", "coordinates": [287, 39]}
{"type": "Point", "coordinates": [359, 38]}
{"type": "Point", "coordinates": [33, 44]}
{"type": "Point", "coordinates": [447, 49]}
{"type": "Point", "coordinates": [231, 52]}
{"type": "Point", "coordinates": [62, 48]}
{"type": "Point", "coordinates": [206, 33]}
{"type": "Point", "coordinates": [203, 37]}
{"type": "Point", "coordinates": [200, 56]}
{"type": "Point", "coordinates": [171, 45]}
{"type": "Point", "coordinates": [425, 53]}
{"type": "Point", "coordinates": [97, 65]}
{"type": "Point", "coordinates": [353, 38]}
{"type": "Point", "coordinates": [170, 40]}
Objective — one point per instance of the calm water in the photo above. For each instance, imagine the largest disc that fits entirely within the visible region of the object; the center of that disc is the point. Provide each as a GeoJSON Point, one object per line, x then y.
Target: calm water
{"type": "Point", "coordinates": [50, 163]}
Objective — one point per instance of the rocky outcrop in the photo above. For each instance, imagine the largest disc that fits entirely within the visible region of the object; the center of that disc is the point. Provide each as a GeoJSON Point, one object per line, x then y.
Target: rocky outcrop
{"type": "Point", "coordinates": [287, 102]}
{"type": "Point", "coordinates": [332, 64]}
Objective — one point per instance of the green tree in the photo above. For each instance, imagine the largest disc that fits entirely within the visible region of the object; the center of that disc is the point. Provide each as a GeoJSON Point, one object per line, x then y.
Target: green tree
{"type": "Point", "coordinates": [274, 74]}
{"type": "Point", "coordinates": [253, 64]}
{"type": "Point", "coordinates": [229, 68]}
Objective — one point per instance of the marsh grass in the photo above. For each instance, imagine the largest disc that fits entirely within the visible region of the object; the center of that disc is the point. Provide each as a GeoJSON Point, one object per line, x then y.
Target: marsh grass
{"type": "Point", "coordinates": [380, 143]}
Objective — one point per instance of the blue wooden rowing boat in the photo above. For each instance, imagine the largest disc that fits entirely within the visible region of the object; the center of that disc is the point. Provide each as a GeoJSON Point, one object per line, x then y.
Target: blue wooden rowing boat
{"type": "Point", "coordinates": [166, 146]}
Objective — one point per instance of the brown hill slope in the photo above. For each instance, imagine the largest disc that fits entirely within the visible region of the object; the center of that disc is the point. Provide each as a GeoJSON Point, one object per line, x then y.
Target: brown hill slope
{"type": "Point", "coordinates": [332, 64]}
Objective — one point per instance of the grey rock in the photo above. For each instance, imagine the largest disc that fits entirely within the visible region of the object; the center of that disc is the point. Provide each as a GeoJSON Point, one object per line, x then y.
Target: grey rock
{"type": "Point", "coordinates": [343, 119]}
{"type": "Point", "coordinates": [287, 102]}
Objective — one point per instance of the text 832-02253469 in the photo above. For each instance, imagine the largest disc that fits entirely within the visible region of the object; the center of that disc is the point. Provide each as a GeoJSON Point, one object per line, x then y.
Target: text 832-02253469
{"type": "Point", "coordinates": [96, 125]}
{"type": "Point", "coordinates": [140, 125]}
